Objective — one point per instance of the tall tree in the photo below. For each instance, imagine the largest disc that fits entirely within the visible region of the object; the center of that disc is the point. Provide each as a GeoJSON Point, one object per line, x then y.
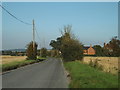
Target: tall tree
{"type": "Point", "coordinates": [98, 50]}
{"type": "Point", "coordinates": [68, 45]}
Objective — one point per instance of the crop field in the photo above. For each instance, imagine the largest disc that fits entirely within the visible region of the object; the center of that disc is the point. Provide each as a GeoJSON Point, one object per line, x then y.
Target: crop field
{"type": "Point", "coordinates": [109, 64]}
{"type": "Point", "coordinates": [5, 59]}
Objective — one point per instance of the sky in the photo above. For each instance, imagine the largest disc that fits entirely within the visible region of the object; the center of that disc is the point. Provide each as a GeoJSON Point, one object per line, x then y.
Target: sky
{"type": "Point", "coordinates": [92, 22]}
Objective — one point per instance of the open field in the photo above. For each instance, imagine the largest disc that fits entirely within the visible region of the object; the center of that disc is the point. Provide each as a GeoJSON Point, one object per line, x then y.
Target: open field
{"type": "Point", "coordinates": [85, 76]}
{"type": "Point", "coordinates": [109, 64]}
{"type": "Point", "coordinates": [8, 59]}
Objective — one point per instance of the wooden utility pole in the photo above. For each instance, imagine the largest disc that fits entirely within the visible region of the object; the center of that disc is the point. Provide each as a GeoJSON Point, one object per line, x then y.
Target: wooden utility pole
{"type": "Point", "coordinates": [33, 36]}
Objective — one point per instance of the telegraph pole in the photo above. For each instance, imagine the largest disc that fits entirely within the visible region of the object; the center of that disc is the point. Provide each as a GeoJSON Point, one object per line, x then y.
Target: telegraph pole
{"type": "Point", "coordinates": [33, 36]}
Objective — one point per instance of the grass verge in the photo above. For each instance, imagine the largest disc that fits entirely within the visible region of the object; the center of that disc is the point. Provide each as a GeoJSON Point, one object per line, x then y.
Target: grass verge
{"type": "Point", "coordinates": [41, 57]}
{"type": "Point", "coordinates": [17, 64]}
{"type": "Point", "coordinates": [84, 76]}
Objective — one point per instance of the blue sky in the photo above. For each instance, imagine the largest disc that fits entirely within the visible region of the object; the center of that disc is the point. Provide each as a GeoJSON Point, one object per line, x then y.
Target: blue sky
{"type": "Point", "coordinates": [92, 22]}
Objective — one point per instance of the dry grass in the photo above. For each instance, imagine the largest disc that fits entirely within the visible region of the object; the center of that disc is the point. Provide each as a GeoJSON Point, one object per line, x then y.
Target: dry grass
{"type": "Point", "coordinates": [109, 64]}
{"type": "Point", "coordinates": [5, 59]}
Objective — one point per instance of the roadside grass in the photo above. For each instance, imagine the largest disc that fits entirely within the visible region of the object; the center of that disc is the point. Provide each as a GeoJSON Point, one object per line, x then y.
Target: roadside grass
{"type": "Point", "coordinates": [17, 64]}
{"type": "Point", "coordinates": [85, 76]}
{"type": "Point", "coordinates": [38, 57]}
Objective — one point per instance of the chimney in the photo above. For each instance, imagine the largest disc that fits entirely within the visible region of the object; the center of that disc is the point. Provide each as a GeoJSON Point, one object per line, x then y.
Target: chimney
{"type": "Point", "coordinates": [104, 44]}
{"type": "Point", "coordinates": [90, 45]}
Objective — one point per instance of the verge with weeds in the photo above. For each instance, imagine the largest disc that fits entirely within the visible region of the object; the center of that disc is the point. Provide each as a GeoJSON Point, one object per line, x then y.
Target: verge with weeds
{"type": "Point", "coordinates": [85, 76]}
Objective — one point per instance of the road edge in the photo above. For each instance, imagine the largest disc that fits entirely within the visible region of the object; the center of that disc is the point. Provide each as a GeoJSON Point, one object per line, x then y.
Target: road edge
{"type": "Point", "coordinates": [66, 73]}
{"type": "Point", "coordinates": [5, 72]}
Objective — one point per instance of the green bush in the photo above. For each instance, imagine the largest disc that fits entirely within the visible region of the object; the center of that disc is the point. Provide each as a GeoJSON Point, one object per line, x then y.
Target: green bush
{"type": "Point", "coordinates": [72, 50]}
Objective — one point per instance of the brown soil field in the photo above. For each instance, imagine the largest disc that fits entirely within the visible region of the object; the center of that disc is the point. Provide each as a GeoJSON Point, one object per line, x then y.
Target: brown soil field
{"type": "Point", "coordinates": [4, 59]}
{"type": "Point", "coordinates": [109, 64]}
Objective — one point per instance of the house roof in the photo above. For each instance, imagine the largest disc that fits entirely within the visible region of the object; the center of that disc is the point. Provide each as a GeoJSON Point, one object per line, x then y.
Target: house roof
{"type": "Point", "coordinates": [85, 48]}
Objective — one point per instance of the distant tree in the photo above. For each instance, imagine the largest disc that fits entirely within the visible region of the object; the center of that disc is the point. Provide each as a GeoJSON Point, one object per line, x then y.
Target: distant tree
{"type": "Point", "coordinates": [98, 50]}
{"type": "Point", "coordinates": [114, 45]}
{"type": "Point", "coordinates": [15, 53]}
{"type": "Point", "coordinates": [43, 52]}
{"type": "Point", "coordinates": [38, 52]}
{"type": "Point", "coordinates": [106, 52]}
{"type": "Point", "coordinates": [55, 53]}
{"type": "Point", "coordinates": [6, 52]}
{"type": "Point", "coordinates": [2, 53]}
{"type": "Point", "coordinates": [49, 53]}
{"type": "Point", "coordinates": [31, 54]}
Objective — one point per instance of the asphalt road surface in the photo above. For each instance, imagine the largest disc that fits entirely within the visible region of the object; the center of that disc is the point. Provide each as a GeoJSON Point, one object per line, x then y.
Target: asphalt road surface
{"type": "Point", "coordinates": [46, 74]}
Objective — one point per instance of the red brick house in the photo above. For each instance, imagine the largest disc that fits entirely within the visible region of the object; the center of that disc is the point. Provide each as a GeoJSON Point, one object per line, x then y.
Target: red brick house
{"type": "Point", "coordinates": [89, 50]}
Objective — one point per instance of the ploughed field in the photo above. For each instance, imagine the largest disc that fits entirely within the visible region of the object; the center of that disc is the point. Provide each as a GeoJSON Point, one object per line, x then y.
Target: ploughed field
{"type": "Point", "coordinates": [5, 59]}
{"type": "Point", "coordinates": [109, 64]}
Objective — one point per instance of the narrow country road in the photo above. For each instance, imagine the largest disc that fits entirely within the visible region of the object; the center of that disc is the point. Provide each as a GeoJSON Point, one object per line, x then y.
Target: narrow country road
{"type": "Point", "coordinates": [46, 74]}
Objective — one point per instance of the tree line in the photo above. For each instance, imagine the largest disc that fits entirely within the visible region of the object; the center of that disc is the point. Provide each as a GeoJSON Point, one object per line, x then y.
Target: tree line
{"type": "Point", "coordinates": [32, 53]}
{"type": "Point", "coordinates": [69, 48]}
{"type": "Point", "coordinates": [111, 49]}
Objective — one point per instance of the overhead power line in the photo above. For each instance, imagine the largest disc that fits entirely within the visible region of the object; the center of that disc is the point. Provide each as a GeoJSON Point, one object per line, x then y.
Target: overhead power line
{"type": "Point", "coordinates": [37, 34]}
{"type": "Point", "coordinates": [38, 37]}
{"type": "Point", "coordinates": [14, 16]}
